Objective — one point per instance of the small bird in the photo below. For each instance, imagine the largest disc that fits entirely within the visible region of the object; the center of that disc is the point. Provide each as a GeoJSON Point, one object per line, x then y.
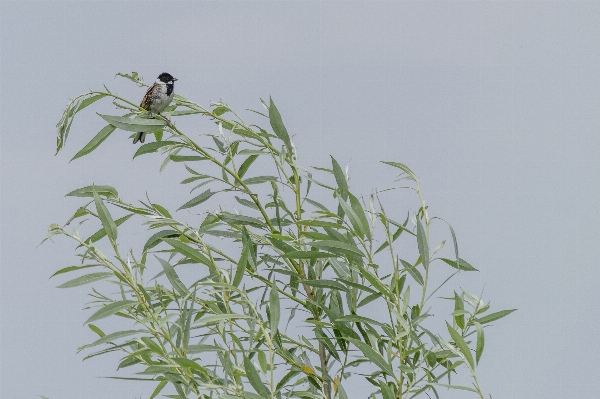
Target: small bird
{"type": "Point", "coordinates": [157, 98]}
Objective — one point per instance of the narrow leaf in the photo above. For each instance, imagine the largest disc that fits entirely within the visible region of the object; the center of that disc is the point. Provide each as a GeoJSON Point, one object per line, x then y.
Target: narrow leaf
{"type": "Point", "coordinates": [188, 251]}
{"type": "Point", "coordinates": [422, 244]}
{"type": "Point", "coordinates": [254, 378]}
{"type": "Point", "coordinates": [278, 127]}
{"type": "Point", "coordinates": [95, 142]}
{"type": "Point", "coordinates": [107, 221]}
{"type": "Point", "coordinates": [464, 265]}
{"type": "Point", "coordinates": [88, 191]}
{"type": "Point", "coordinates": [480, 342]}
{"type": "Point", "coordinates": [155, 146]}
{"type": "Point", "coordinates": [373, 356]}
{"type": "Point", "coordinates": [197, 200]}
{"type": "Point", "coordinates": [110, 310]}
{"type": "Point", "coordinates": [274, 309]}
{"type": "Point", "coordinates": [461, 344]}
{"type": "Point", "coordinates": [135, 124]}
{"type": "Point", "coordinates": [88, 278]}
{"type": "Point", "coordinates": [495, 316]}
{"type": "Point", "coordinates": [173, 277]}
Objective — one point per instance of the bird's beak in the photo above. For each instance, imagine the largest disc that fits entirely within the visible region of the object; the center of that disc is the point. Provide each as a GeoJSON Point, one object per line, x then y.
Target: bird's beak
{"type": "Point", "coordinates": [174, 79]}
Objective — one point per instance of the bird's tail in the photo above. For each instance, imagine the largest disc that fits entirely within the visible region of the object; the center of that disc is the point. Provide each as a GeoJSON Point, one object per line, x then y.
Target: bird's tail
{"type": "Point", "coordinates": [141, 136]}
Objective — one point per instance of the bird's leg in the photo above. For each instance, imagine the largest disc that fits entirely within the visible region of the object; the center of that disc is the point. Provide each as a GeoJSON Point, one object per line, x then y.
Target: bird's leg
{"type": "Point", "coordinates": [167, 120]}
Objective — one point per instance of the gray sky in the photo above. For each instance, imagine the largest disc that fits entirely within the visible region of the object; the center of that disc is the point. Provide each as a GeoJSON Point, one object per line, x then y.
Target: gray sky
{"type": "Point", "coordinates": [493, 104]}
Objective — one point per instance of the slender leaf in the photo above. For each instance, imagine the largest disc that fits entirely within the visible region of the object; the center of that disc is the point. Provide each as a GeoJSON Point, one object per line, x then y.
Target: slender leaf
{"type": "Point", "coordinates": [95, 142]}
{"type": "Point", "coordinates": [307, 255]}
{"type": "Point", "coordinates": [278, 126]}
{"type": "Point", "coordinates": [254, 378]}
{"type": "Point", "coordinates": [102, 232]}
{"type": "Point", "coordinates": [274, 309]}
{"type": "Point", "coordinates": [88, 191]}
{"type": "Point", "coordinates": [340, 178]}
{"type": "Point", "coordinates": [173, 277]}
{"type": "Point", "coordinates": [325, 284]}
{"type": "Point", "coordinates": [373, 356]}
{"type": "Point", "coordinates": [422, 244]}
{"type": "Point", "coordinates": [461, 344]}
{"type": "Point", "coordinates": [110, 310]}
{"type": "Point", "coordinates": [109, 224]}
{"type": "Point", "coordinates": [480, 342]}
{"type": "Point", "coordinates": [88, 278]}
{"type": "Point", "coordinates": [197, 200]}
{"type": "Point", "coordinates": [155, 146]}
{"type": "Point", "coordinates": [188, 251]}
{"type": "Point", "coordinates": [494, 316]}
{"type": "Point", "coordinates": [404, 169]}
{"type": "Point", "coordinates": [464, 265]}
{"type": "Point", "coordinates": [135, 124]}
{"type": "Point", "coordinates": [337, 247]}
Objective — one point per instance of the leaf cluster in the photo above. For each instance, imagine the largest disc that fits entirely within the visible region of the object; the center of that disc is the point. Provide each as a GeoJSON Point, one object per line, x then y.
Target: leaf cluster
{"type": "Point", "coordinates": [290, 298]}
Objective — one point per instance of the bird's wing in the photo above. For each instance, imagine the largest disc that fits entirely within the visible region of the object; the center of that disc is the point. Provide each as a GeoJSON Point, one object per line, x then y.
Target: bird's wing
{"type": "Point", "coordinates": [147, 98]}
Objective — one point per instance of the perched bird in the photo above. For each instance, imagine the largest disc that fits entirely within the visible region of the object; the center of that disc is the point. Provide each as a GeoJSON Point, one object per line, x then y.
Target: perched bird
{"type": "Point", "coordinates": [157, 98]}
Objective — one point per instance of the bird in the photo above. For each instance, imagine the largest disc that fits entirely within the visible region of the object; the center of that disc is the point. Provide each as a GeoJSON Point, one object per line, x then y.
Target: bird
{"type": "Point", "coordinates": [157, 98]}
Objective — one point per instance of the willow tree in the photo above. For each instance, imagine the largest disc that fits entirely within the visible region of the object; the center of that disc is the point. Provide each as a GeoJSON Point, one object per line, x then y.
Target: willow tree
{"type": "Point", "coordinates": [289, 297]}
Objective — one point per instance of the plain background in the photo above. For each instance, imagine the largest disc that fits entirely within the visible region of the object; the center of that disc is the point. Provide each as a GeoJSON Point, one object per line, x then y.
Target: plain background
{"type": "Point", "coordinates": [495, 106]}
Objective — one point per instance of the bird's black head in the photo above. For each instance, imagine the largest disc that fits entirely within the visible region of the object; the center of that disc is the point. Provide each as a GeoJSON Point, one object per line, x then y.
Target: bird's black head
{"type": "Point", "coordinates": [165, 77]}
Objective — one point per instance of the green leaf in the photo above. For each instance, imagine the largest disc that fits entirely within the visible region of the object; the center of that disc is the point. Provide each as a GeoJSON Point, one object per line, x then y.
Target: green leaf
{"type": "Point", "coordinates": [254, 378]}
{"type": "Point", "coordinates": [95, 142]}
{"type": "Point", "coordinates": [464, 265]}
{"type": "Point", "coordinates": [337, 247]}
{"type": "Point", "coordinates": [259, 179]}
{"type": "Point", "coordinates": [459, 306]}
{"type": "Point", "coordinates": [461, 344]}
{"type": "Point", "coordinates": [173, 277]}
{"type": "Point", "coordinates": [135, 124]}
{"type": "Point", "coordinates": [88, 191]}
{"type": "Point", "coordinates": [159, 388]}
{"type": "Point", "coordinates": [155, 146]}
{"type": "Point", "coordinates": [107, 221]}
{"type": "Point", "coordinates": [373, 356]}
{"type": "Point", "coordinates": [190, 364]}
{"type": "Point", "coordinates": [278, 127]}
{"type": "Point", "coordinates": [422, 244]}
{"type": "Point", "coordinates": [360, 215]}
{"type": "Point", "coordinates": [188, 251]}
{"type": "Point", "coordinates": [96, 330]}
{"type": "Point", "coordinates": [340, 178]}
{"type": "Point", "coordinates": [403, 168]}
{"type": "Point", "coordinates": [186, 158]}
{"type": "Point", "coordinates": [157, 238]}
{"type": "Point", "coordinates": [88, 278]}
{"type": "Point", "coordinates": [374, 280]}
{"type": "Point", "coordinates": [102, 232]}
{"type": "Point", "coordinates": [480, 342]}
{"type": "Point", "coordinates": [197, 200]}
{"type": "Point", "coordinates": [110, 310]}
{"type": "Point", "coordinates": [111, 337]}
{"type": "Point", "coordinates": [220, 317]}
{"type": "Point", "coordinates": [69, 269]}
{"type": "Point", "coordinates": [274, 309]}
{"type": "Point", "coordinates": [244, 257]}
{"type": "Point", "coordinates": [198, 348]}
{"type": "Point", "coordinates": [494, 316]}
{"type": "Point", "coordinates": [325, 284]}
{"type": "Point", "coordinates": [306, 255]}
{"type": "Point", "coordinates": [354, 219]}
{"type": "Point", "coordinates": [246, 164]}
{"type": "Point", "coordinates": [460, 387]}
{"type": "Point", "coordinates": [358, 319]}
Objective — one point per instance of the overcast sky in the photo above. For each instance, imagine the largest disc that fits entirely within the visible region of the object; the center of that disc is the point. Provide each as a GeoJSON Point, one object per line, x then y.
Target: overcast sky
{"type": "Point", "coordinates": [495, 106]}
